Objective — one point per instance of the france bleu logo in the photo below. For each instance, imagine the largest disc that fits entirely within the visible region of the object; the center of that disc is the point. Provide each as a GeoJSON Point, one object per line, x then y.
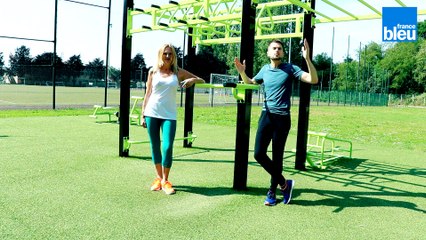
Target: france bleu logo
{"type": "Point", "coordinates": [399, 24]}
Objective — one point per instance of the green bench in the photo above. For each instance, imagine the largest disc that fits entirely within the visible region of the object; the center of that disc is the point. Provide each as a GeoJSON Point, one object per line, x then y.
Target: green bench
{"type": "Point", "coordinates": [322, 149]}
{"type": "Point", "coordinates": [135, 111]}
{"type": "Point", "coordinates": [101, 110]}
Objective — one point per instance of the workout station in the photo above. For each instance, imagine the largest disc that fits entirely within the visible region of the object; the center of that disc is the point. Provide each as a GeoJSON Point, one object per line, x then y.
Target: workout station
{"type": "Point", "coordinates": [232, 21]}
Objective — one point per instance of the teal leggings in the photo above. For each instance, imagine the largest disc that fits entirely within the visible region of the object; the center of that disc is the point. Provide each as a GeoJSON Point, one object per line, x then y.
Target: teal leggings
{"type": "Point", "coordinates": [161, 154]}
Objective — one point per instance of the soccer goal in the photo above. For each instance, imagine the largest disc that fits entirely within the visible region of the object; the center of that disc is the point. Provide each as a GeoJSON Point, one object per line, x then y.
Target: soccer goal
{"type": "Point", "coordinates": [221, 95]}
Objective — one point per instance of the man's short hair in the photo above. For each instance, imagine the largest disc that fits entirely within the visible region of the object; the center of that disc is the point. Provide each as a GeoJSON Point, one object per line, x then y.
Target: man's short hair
{"type": "Point", "coordinates": [276, 41]}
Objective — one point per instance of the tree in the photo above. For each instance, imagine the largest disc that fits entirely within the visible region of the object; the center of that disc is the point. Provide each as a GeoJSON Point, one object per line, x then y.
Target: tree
{"type": "Point", "coordinates": [137, 67]}
{"type": "Point", "coordinates": [1, 64]}
{"type": "Point", "coordinates": [137, 62]}
{"type": "Point", "coordinates": [399, 61]}
{"type": "Point", "coordinates": [74, 68]}
{"type": "Point", "coordinates": [346, 76]}
{"type": "Point", "coordinates": [19, 61]}
{"type": "Point", "coordinates": [114, 74]}
{"type": "Point", "coordinates": [205, 62]}
{"type": "Point", "coordinates": [370, 56]}
{"type": "Point", "coordinates": [225, 54]}
{"type": "Point", "coordinates": [95, 69]}
{"type": "Point", "coordinates": [41, 68]}
{"type": "Point", "coordinates": [372, 53]}
{"type": "Point", "coordinates": [322, 63]}
{"type": "Point", "coordinates": [420, 66]}
{"type": "Point", "coordinates": [179, 55]}
{"type": "Point", "coordinates": [421, 26]}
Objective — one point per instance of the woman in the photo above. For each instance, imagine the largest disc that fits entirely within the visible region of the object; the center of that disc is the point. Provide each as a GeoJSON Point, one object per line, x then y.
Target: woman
{"type": "Point", "coordinates": [159, 112]}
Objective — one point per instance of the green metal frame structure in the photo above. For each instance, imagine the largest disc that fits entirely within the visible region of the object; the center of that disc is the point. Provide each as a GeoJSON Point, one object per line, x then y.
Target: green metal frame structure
{"type": "Point", "coordinates": [236, 21]}
{"type": "Point", "coordinates": [219, 21]}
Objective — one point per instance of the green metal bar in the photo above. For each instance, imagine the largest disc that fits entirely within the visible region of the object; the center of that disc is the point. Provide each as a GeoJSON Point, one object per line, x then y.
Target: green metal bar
{"type": "Point", "coordinates": [129, 23]}
{"type": "Point", "coordinates": [346, 19]}
{"type": "Point", "coordinates": [339, 8]}
{"type": "Point", "coordinates": [128, 143]}
{"type": "Point", "coordinates": [307, 7]}
{"type": "Point", "coordinates": [270, 19]}
{"type": "Point", "coordinates": [240, 86]}
{"type": "Point", "coordinates": [214, 21]}
{"type": "Point", "coordinates": [184, 4]}
{"type": "Point", "coordinates": [370, 7]}
{"type": "Point", "coordinates": [237, 39]}
{"type": "Point", "coordinates": [274, 4]}
{"type": "Point", "coordinates": [204, 30]}
{"type": "Point", "coordinates": [401, 3]}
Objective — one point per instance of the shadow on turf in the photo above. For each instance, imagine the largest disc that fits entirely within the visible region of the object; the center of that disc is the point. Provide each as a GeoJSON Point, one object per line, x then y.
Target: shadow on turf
{"type": "Point", "coordinates": [373, 176]}
{"type": "Point", "coordinates": [219, 191]}
{"type": "Point", "coordinates": [380, 180]}
{"type": "Point", "coordinates": [148, 158]}
{"type": "Point", "coordinates": [215, 149]}
{"type": "Point", "coordinates": [177, 158]}
{"type": "Point", "coordinates": [357, 199]}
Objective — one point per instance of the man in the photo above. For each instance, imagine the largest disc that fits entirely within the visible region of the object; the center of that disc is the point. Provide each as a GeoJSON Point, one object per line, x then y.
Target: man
{"type": "Point", "coordinates": [274, 122]}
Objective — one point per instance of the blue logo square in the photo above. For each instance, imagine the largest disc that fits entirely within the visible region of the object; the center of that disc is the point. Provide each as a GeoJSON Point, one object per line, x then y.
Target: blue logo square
{"type": "Point", "coordinates": [399, 24]}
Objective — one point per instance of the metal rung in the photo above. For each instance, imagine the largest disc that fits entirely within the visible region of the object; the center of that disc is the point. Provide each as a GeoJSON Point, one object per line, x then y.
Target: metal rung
{"type": "Point", "coordinates": [128, 143]}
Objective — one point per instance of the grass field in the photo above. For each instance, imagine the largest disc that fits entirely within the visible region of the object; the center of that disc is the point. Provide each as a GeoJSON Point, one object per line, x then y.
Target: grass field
{"type": "Point", "coordinates": [42, 96]}
{"type": "Point", "coordinates": [29, 96]}
{"type": "Point", "coordinates": [61, 178]}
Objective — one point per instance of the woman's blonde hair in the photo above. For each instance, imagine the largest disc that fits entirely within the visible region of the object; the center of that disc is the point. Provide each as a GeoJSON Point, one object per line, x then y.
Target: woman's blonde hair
{"type": "Point", "coordinates": [160, 63]}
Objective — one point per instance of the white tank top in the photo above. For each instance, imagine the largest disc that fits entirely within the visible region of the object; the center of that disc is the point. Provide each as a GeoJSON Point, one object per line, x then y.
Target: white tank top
{"type": "Point", "coordinates": [162, 102]}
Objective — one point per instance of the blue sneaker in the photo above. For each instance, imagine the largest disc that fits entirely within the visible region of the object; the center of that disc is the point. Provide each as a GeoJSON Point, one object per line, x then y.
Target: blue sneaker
{"type": "Point", "coordinates": [271, 199]}
{"type": "Point", "coordinates": [287, 191]}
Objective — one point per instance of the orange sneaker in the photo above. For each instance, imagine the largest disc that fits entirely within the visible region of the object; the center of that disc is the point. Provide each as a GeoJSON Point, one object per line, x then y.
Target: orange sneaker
{"type": "Point", "coordinates": [167, 188]}
{"type": "Point", "coordinates": [156, 185]}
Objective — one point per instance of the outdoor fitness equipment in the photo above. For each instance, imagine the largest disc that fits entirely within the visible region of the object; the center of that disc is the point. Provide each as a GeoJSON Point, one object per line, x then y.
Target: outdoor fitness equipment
{"type": "Point", "coordinates": [238, 91]}
{"type": "Point", "coordinates": [134, 115]}
{"type": "Point", "coordinates": [128, 143]}
{"type": "Point", "coordinates": [204, 21]}
{"type": "Point", "coordinates": [101, 110]}
{"type": "Point", "coordinates": [322, 149]}
{"type": "Point", "coordinates": [225, 21]}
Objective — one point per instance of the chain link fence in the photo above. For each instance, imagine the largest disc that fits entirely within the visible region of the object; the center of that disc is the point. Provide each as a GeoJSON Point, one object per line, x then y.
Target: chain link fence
{"type": "Point", "coordinates": [34, 89]}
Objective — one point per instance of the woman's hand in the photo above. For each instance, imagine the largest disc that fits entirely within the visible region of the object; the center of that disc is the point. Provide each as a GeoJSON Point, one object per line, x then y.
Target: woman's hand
{"type": "Point", "coordinates": [188, 82]}
{"type": "Point", "coordinates": [143, 123]}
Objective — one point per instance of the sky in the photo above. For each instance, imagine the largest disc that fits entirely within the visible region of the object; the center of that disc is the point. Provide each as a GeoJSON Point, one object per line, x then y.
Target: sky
{"type": "Point", "coordinates": [82, 29]}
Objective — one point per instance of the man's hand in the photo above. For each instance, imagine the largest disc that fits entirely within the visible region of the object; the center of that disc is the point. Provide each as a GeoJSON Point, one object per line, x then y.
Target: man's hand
{"type": "Point", "coordinates": [305, 49]}
{"type": "Point", "coordinates": [241, 67]}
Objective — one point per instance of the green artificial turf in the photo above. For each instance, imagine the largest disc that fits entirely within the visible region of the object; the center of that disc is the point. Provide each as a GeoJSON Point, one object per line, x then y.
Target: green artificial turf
{"type": "Point", "coordinates": [61, 178]}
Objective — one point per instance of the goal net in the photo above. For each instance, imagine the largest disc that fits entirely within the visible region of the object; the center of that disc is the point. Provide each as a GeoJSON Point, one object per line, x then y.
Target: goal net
{"type": "Point", "coordinates": [221, 95]}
